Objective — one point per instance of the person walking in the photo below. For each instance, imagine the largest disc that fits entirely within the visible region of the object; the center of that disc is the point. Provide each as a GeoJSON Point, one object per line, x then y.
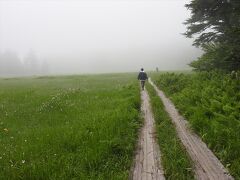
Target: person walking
{"type": "Point", "coordinates": [142, 77]}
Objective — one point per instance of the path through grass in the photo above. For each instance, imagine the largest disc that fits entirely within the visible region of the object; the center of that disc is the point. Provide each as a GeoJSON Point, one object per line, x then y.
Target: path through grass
{"type": "Point", "coordinates": [210, 101]}
{"type": "Point", "coordinates": [176, 162]}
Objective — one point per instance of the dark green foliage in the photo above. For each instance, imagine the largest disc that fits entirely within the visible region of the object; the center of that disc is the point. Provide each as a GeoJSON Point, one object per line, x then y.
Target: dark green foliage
{"type": "Point", "coordinates": [219, 17]}
{"type": "Point", "coordinates": [217, 56]}
{"type": "Point", "coordinates": [211, 103]}
{"type": "Point", "coordinates": [217, 22]}
{"type": "Point", "coordinates": [176, 163]}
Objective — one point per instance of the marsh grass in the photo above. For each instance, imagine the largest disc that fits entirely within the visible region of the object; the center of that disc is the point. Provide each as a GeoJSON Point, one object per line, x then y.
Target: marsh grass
{"type": "Point", "coordinates": [68, 127]}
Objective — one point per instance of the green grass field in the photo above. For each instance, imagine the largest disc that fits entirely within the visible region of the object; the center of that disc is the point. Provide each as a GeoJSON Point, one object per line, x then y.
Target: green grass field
{"type": "Point", "coordinates": [68, 127]}
{"type": "Point", "coordinates": [86, 127]}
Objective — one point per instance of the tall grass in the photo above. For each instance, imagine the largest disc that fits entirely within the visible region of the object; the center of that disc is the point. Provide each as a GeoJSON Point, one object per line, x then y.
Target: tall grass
{"type": "Point", "coordinates": [211, 103]}
{"type": "Point", "coordinates": [176, 163]}
{"type": "Point", "coordinates": [73, 127]}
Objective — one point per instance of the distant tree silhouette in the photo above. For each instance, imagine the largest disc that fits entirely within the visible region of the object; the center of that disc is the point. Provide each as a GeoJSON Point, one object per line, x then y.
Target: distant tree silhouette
{"type": "Point", "coordinates": [10, 64]}
{"type": "Point", "coordinates": [31, 64]}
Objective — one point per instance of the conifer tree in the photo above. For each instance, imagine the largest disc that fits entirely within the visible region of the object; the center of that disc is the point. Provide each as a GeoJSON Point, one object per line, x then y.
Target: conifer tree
{"type": "Point", "coordinates": [216, 25]}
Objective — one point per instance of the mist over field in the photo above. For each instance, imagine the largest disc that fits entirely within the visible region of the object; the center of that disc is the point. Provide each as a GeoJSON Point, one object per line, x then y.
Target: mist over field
{"type": "Point", "coordinates": [75, 37]}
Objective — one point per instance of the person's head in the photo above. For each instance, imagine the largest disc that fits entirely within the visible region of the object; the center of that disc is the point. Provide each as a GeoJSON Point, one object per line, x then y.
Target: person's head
{"type": "Point", "coordinates": [142, 69]}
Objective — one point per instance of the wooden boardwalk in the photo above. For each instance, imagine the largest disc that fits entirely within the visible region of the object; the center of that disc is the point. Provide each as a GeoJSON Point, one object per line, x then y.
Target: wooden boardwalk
{"type": "Point", "coordinates": [147, 162]}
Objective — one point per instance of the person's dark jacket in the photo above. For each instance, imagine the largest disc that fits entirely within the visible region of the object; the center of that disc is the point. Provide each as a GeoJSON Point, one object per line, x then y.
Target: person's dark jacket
{"type": "Point", "coordinates": [142, 76]}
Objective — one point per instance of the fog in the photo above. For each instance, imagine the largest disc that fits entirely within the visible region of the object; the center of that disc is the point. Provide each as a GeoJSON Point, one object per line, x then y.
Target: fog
{"type": "Point", "coordinates": [87, 36]}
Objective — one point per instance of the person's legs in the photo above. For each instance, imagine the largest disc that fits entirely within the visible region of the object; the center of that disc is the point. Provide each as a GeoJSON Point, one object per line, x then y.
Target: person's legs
{"type": "Point", "coordinates": [142, 83]}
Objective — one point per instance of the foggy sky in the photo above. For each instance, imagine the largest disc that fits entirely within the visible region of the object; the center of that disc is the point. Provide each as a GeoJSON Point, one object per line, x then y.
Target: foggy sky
{"type": "Point", "coordinates": [98, 36]}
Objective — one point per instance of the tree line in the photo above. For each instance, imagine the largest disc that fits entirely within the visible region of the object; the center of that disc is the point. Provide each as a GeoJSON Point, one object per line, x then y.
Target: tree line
{"type": "Point", "coordinates": [12, 65]}
{"type": "Point", "coordinates": [215, 24]}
